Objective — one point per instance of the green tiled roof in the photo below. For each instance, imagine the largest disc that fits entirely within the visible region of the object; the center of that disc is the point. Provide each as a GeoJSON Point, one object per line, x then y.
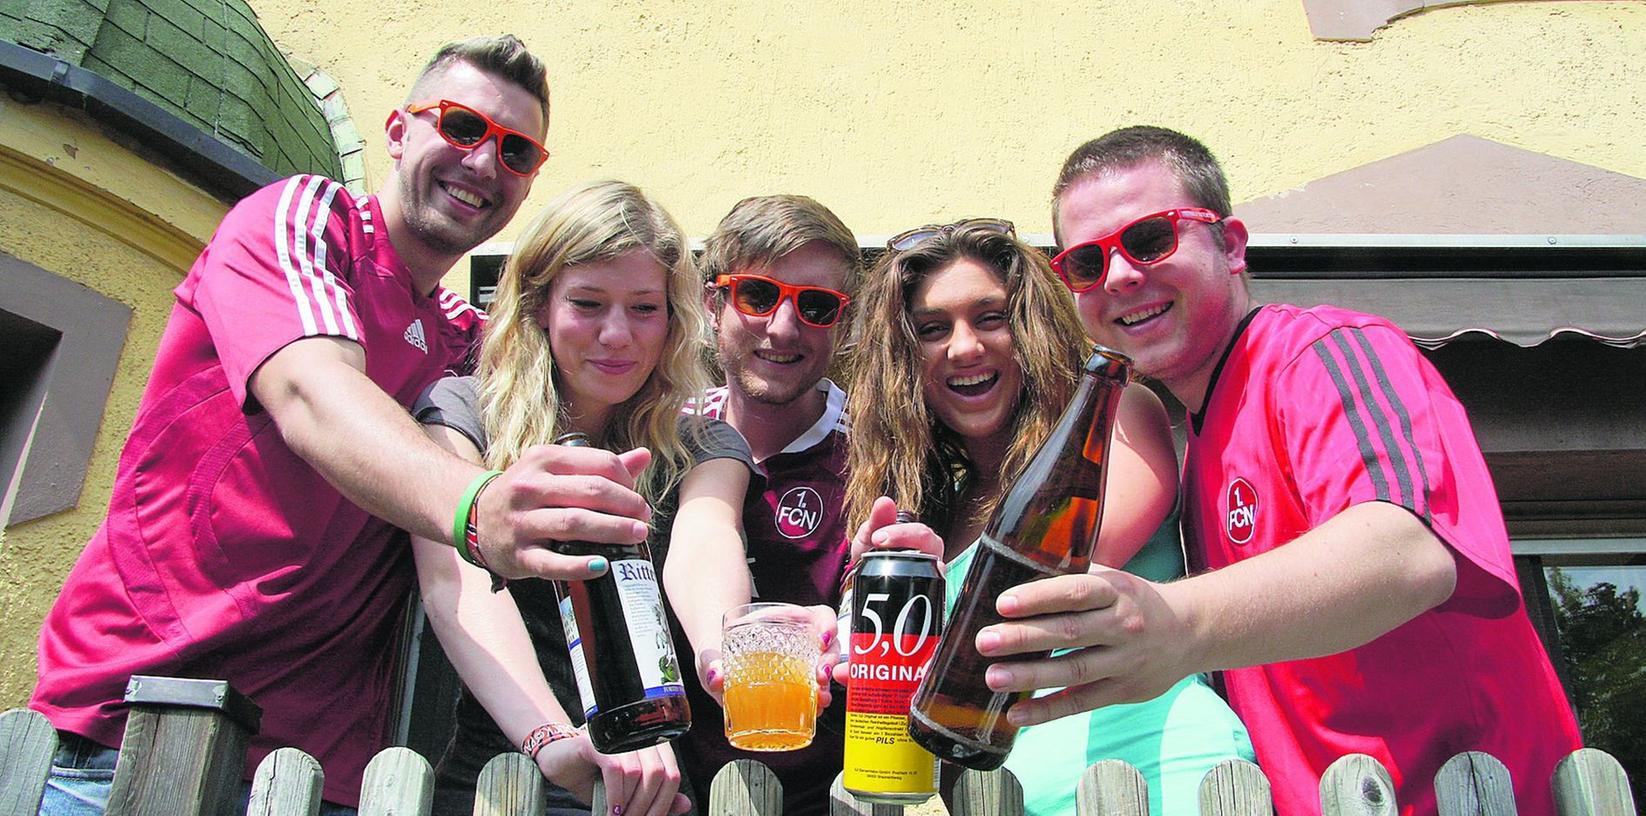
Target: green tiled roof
{"type": "Point", "coordinates": [206, 61]}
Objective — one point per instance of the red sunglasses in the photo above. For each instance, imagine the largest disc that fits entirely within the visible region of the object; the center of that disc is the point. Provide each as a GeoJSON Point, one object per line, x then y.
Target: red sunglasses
{"type": "Point", "coordinates": [758, 296]}
{"type": "Point", "coordinates": [1150, 239]}
{"type": "Point", "coordinates": [465, 128]}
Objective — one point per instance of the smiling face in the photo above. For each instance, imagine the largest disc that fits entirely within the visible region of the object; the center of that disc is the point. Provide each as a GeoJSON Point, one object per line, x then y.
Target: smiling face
{"type": "Point", "coordinates": [1173, 317]}
{"type": "Point", "coordinates": [442, 198]}
{"type": "Point", "coordinates": [606, 323]}
{"type": "Point", "coordinates": [970, 376]}
{"type": "Point", "coordinates": [777, 358]}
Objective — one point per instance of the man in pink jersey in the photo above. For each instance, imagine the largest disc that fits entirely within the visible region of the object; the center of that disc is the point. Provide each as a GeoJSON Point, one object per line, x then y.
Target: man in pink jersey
{"type": "Point", "coordinates": [775, 343]}
{"type": "Point", "coordinates": [252, 535]}
{"type": "Point", "coordinates": [1352, 575]}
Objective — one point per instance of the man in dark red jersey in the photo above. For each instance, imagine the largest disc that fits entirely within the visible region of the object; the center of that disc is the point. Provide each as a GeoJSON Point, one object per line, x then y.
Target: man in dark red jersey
{"type": "Point", "coordinates": [775, 346]}
{"type": "Point", "coordinates": [252, 535]}
{"type": "Point", "coordinates": [1354, 575]}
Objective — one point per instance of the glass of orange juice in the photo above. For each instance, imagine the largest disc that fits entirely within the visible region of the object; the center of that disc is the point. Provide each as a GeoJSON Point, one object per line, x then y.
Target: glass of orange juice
{"type": "Point", "coordinates": [769, 653]}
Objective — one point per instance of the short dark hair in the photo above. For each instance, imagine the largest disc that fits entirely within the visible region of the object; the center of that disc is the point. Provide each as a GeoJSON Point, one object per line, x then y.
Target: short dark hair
{"type": "Point", "coordinates": [503, 55]}
{"type": "Point", "coordinates": [1194, 166]}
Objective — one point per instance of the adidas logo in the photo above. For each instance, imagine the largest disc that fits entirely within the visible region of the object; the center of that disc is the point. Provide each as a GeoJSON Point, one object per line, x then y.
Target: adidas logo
{"type": "Point", "coordinates": [414, 336]}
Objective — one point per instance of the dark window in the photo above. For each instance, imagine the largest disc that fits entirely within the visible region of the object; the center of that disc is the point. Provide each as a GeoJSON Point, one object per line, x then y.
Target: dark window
{"type": "Point", "coordinates": [62, 343]}
{"type": "Point", "coordinates": [23, 368]}
{"type": "Point", "coordinates": [1590, 612]}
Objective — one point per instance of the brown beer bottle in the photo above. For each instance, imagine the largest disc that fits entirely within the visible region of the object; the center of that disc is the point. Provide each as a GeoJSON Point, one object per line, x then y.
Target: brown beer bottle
{"type": "Point", "coordinates": [628, 678]}
{"type": "Point", "coordinates": [1045, 525]}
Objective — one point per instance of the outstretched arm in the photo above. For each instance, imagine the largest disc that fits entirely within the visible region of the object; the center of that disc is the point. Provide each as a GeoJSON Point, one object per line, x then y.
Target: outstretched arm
{"type": "Point", "coordinates": [1363, 572]}
{"type": "Point", "coordinates": [483, 635]}
{"type": "Point", "coordinates": [707, 573]}
{"type": "Point", "coordinates": [370, 449]}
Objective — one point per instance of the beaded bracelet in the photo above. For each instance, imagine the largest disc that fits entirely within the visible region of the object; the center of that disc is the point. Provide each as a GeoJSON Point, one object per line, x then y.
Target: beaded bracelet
{"type": "Point", "coordinates": [544, 735]}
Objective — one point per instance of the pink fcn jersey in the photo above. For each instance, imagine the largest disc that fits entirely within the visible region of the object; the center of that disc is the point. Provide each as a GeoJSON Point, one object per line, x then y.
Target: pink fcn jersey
{"type": "Point", "coordinates": [223, 554]}
{"type": "Point", "coordinates": [1310, 412]}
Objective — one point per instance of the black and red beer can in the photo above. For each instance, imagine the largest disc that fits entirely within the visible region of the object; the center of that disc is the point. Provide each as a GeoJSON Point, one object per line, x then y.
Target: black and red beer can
{"type": "Point", "coordinates": [896, 621]}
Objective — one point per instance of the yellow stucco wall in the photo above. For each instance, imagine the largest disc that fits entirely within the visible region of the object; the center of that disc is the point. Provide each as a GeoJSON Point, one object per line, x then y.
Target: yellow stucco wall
{"type": "Point", "coordinates": [74, 203]}
{"type": "Point", "coordinates": [892, 113]}
{"type": "Point", "coordinates": [900, 113]}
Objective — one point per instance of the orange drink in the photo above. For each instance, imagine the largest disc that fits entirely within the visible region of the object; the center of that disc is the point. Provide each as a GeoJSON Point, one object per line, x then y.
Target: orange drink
{"type": "Point", "coordinates": [769, 654]}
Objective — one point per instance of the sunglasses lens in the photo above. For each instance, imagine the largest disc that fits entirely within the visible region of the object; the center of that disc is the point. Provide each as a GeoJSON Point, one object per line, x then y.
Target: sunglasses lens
{"type": "Point", "coordinates": [1149, 240]}
{"type": "Point", "coordinates": [818, 308]}
{"type": "Point", "coordinates": [519, 154]}
{"type": "Point", "coordinates": [911, 239]}
{"type": "Point", "coordinates": [462, 127]}
{"type": "Point", "coordinates": [1083, 267]}
{"type": "Point", "coordinates": [755, 297]}
{"type": "Point", "coordinates": [991, 224]}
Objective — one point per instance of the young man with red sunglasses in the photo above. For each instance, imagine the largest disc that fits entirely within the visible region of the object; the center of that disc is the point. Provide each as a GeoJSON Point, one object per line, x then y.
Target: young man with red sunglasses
{"type": "Point", "coordinates": [252, 534]}
{"type": "Point", "coordinates": [1354, 580]}
{"type": "Point", "coordinates": [778, 274]}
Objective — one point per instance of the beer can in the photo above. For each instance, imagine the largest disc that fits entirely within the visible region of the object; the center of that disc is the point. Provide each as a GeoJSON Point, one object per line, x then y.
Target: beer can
{"type": "Point", "coordinates": [897, 618]}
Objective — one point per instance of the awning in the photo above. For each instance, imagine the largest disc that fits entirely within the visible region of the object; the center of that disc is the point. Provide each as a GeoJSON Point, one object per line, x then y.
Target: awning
{"type": "Point", "coordinates": [1519, 289]}
{"type": "Point", "coordinates": [1525, 312]}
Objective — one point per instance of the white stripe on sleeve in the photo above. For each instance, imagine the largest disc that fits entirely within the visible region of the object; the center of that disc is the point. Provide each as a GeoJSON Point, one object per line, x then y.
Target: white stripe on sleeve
{"type": "Point", "coordinates": [282, 252]}
{"type": "Point", "coordinates": [318, 233]}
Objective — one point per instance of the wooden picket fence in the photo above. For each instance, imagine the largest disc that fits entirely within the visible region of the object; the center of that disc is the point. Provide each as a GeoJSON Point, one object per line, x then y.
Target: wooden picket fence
{"type": "Point", "coordinates": [187, 761]}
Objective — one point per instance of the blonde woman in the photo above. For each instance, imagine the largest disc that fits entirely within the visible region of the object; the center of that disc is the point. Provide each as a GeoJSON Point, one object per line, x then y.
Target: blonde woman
{"type": "Point", "coordinates": [973, 349]}
{"type": "Point", "coordinates": [595, 328]}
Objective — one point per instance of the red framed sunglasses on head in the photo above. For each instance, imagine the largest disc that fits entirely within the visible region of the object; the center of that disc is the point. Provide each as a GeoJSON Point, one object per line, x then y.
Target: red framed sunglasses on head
{"type": "Point", "coordinates": [465, 128]}
{"type": "Point", "coordinates": [1147, 240]}
{"type": "Point", "coordinates": [758, 296]}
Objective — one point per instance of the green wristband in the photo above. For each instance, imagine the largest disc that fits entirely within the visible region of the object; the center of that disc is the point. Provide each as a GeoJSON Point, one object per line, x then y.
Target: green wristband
{"type": "Point", "coordinates": [460, 522]}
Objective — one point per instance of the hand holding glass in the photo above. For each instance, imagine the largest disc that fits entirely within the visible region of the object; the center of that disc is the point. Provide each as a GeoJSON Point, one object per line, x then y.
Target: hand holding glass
{"type": "Point", "coordinates": [769, 653]}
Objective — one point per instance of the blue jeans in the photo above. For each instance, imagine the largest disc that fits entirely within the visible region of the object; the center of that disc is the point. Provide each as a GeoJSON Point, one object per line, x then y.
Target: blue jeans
{"type": "Point", "coordinates": [82, 775]}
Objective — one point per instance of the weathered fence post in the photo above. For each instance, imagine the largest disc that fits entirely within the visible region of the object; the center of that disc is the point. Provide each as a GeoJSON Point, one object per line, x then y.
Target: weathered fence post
{"type": "Point", "coordinates": [1235, 787]}
{"type": "Point", "coordinates": [988, 793]}
{"type": "Point", "coordinates": [287, 783]}
{"type": "Point", "coordinates": [745, 788]}
{"type": "Point", "coordinates": [184, 749]}
{"type": "Point", "coordinates": [1592, 783]}
{"type": "Point", "coordinates": [1474, 784]}
{"type": "Point", "coordinates": [1111, 787]}
{"type": "Point", "coordinates": [843, 803]}
{"type": "Point", "coordinates": [1357, 785]}
{"type": "Point", "coordinates": [510, 785]}
{"type": "Point", "coordinates": [398, 782]}
{"type": "Point", "coordinates": [27, 743]}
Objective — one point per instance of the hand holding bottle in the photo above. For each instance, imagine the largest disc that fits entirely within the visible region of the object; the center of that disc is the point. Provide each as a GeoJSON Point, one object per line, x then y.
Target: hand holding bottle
{"type": "Point", "coordinates": [1145, 643]}
{"type": "Point", "coordinates": [557, 493]}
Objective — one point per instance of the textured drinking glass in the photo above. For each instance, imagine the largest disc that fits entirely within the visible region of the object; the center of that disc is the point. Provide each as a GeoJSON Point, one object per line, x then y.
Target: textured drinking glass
{"type": "Point", "coordinates": [769, 653]}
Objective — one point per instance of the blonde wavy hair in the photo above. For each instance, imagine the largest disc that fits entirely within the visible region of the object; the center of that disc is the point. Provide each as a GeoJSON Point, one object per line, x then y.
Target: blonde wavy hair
{"type": "Point", "coordinates": [899, 447]}
{"type": "Point", "coordinates": [519, 399]}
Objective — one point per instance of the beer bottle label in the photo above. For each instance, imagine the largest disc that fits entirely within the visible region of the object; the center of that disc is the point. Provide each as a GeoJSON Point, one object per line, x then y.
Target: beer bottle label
{"type": "Point", "coordinates": [580, 668]}
{"type": "Point", "coordinates": [648, 628]}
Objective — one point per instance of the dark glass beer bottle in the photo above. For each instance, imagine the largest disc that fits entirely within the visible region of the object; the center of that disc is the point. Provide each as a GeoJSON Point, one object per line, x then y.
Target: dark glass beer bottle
{"type": "Point", "coordinates": [1045, 525]}
{"type": "Point", "coordinates": [627, 675]}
